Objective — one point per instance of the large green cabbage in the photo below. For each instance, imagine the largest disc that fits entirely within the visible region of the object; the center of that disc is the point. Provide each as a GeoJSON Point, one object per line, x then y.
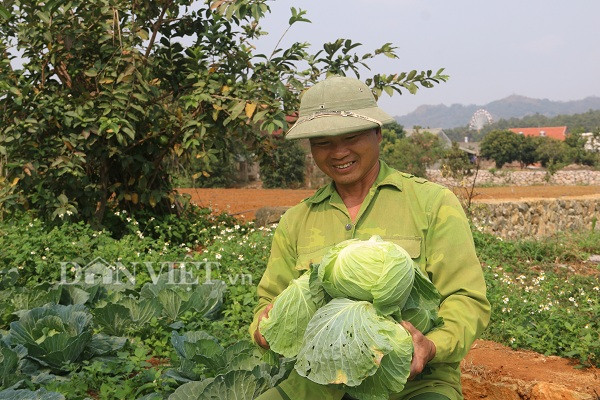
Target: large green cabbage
{"type": "Point", "coordinates": [373, 270]}
{"type": "Point", "coordinates": [354, 341]}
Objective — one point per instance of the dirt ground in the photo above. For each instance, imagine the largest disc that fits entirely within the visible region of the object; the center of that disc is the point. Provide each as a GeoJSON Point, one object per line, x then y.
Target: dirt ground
{"type": "Point", "coordinates": [490, 371]}
{"type": "Point", "coordinates": [245, 202]}
{"type": "Point", "coordinates": [502, 368]}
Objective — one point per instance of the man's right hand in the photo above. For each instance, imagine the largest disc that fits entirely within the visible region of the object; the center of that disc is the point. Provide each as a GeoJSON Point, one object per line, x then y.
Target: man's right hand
{"type": "Point", "coordinates": [258, 338]}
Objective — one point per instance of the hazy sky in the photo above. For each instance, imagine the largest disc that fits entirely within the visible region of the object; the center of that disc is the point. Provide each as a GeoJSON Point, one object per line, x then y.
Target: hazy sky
{"type": "Point", "coordinates": [491, 49]}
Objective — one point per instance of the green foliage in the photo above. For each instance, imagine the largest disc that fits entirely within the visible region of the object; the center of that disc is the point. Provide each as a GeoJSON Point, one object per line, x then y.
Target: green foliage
{"type": "Point", "coordinates": [501, 146]}
{"type": "Point", "coordinates": [392, 132]}
{"type": "Point", "coordinates": [107, 93]}
{"type": "Point", "coordinates": [282, 164]}
{"type": "Point", "coordinates": [538, 301]}
{"type": "Point", "coordinates": [578, 154]}
{"type": "Point", "coordinates": [456, 163]}
{"type": "Point", "coordinates": [552, 154]}
{"type": "Point", "coordinates": [413, 154]}
{"type": "Point", "coordinates": [544, 297]}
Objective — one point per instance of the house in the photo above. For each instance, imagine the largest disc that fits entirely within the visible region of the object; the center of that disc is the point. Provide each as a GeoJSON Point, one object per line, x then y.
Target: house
{"type": "Point", "coordinates": [553, 132]}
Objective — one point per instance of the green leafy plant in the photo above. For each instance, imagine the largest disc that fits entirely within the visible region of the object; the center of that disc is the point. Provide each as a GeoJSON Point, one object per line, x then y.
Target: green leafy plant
{"type": "Point", "coordinates": [240, 371]}
{"type": "Point", "coordinates": [57, 335]}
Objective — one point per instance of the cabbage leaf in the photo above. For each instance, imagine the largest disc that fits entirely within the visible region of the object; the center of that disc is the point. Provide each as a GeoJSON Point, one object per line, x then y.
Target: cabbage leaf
{"type": "Point", "coordinates": [345, 342]}
{"type": "Point", "coordinates": [287, 320]}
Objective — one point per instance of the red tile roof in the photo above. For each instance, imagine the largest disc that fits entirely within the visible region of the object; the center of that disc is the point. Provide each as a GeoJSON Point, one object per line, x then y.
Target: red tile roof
{"type": "Point", "coordinates": [554, 132]}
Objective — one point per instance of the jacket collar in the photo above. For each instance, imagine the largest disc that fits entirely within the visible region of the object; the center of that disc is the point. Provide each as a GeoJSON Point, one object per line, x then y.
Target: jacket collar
{"type": "Point", "coordinates": [386, 177]}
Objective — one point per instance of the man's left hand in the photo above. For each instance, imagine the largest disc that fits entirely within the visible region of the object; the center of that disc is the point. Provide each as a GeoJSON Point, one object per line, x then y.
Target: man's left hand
{"type": "Point", "coordinates": [423, 352]}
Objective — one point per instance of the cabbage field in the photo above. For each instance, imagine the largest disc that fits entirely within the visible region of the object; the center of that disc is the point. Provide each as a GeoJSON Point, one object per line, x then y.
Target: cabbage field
{"type": "Point", "coordinates": [160, 308]}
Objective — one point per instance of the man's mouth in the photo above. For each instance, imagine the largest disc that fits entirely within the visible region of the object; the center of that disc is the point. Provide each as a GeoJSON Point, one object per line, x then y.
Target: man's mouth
{"type": "Point", "coordinates": [343, 166]}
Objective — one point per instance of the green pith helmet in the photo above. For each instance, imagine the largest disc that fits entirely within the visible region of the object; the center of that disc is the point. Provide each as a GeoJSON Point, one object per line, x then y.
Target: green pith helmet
{"type": "Point", "coordinates": [336, 106]}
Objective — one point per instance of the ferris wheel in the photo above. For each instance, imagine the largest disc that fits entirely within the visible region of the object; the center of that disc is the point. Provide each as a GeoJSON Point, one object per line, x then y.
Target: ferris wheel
{"type": "Point", "coordinates": [480, 119]}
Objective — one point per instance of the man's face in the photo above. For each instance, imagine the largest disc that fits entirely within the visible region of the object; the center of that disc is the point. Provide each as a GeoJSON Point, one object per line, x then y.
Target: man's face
{"type": "Point", "coordinates": [348, 159]}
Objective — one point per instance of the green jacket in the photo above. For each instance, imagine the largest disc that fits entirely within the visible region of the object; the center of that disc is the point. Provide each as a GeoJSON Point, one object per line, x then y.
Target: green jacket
{"type": "Point", "coordinates": [424, 218]}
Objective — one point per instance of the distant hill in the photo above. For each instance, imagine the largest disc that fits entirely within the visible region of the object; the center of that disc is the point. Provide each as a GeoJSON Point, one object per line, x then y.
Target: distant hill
{"type": "Point", "coordinates": [442, 116]}
{"type": "Point", "coordinates": [588, 121]}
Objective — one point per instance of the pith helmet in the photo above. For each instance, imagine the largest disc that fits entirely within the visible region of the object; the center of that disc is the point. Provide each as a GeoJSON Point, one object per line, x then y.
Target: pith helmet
{"type": "Point", "coordinates": [336, 106]}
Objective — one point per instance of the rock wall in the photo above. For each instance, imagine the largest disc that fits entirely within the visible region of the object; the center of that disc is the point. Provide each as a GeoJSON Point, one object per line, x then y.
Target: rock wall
{"type": "Point", "coordinates": [536, 218]}
{"type": "Point", "coordinates": [512, 219]}
{"type": "Point", "coordinates": [523, 178]}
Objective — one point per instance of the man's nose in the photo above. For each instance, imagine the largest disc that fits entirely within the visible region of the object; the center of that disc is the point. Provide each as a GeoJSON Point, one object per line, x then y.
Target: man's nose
{"type": "Point", "coordinates": [340, 150]}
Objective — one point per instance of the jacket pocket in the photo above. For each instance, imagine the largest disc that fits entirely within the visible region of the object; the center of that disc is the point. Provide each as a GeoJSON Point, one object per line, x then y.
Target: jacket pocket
{"type": "Point", "coordinates": [412, 245]}
{"type": "Point", "coordinates": [314, 257]}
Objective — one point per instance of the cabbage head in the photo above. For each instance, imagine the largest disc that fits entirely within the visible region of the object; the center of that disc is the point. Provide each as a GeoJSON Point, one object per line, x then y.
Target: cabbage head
{"type": "Point", "coordinates": [54, 335]}
{"type": "Point", "coordinates": [370, 270]}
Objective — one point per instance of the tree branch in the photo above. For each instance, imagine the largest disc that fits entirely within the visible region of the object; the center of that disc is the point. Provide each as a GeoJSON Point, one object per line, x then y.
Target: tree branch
{"type": "Point", "coordinates": [155, 28]}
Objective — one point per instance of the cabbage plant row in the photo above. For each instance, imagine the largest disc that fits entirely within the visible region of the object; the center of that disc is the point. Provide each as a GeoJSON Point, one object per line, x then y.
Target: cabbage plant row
{"type": "Point", "coordinates": [67, 325]}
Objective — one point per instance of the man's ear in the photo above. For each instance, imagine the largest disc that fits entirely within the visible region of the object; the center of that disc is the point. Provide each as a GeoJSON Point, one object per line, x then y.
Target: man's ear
{"type": "Point", "coordinates": [379, 135]}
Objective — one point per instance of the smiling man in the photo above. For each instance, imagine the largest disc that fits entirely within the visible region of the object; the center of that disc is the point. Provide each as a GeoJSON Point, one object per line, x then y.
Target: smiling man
{"type": "Point", "coordinates": [366, 197]}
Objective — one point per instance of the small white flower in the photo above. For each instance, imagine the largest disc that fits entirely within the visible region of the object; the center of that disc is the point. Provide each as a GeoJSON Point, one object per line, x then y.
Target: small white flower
{"type": "Point", "coordinates": [218, 256]}
{"type": "Point", "coordinates": [241, 257]}
{"type": "Point", "coordinates": [69, 212]}
{"type": "Point", "coordinates": [33, 252]}
{"type": "Point", "coordinates": [505, 300]}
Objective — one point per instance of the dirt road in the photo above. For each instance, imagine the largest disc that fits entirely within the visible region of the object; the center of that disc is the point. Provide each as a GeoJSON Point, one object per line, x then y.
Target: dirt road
{"type": "Point", "coordinates": [246, 201]}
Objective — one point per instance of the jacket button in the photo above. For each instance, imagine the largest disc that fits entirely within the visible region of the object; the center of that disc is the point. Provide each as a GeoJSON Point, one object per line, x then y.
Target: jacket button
{"type": "Point", "coordinates": [348, 227]}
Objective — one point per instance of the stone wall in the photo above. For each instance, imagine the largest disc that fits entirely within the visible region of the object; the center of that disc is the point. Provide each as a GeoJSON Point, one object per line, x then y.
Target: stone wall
{"type": "Point", "coordinates": [524, 178]}
{"type": "Point", "coordinates": [536, 218]}
{"type": "Point", "coordinates": [512, 219]}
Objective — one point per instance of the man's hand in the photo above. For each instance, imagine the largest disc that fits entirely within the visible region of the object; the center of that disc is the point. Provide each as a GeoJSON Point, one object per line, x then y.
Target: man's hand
{"type": "Point", "coordinates": [258, 338]}
{"type": "Point", "coordinates": [423, 352]}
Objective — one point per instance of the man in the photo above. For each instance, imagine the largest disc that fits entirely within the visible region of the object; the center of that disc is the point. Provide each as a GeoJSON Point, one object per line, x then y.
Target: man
{"type": "Point", "coordinates": [366, 197]}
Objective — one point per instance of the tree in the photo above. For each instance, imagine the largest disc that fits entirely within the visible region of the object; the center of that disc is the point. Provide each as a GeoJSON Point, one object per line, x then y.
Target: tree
{"type": "Point", "coordinates": [552, 154]}
{"type": "Point", "coordinates": [527, 145]}
{"type": "Point", "coordinates": [413, 154]}
{"type": "Point", "coordinates": [108, 91]}
{"type": "Point", "coordinates": [501, 146]}
{"type": "Point", "coordinates": [577, 151]}
{"type": "Point", "coordinates": [283, 164]}
{"type": "Point", "coordinates": [393, 132]}
{"type": "Point", "coordinates": [458, 165]}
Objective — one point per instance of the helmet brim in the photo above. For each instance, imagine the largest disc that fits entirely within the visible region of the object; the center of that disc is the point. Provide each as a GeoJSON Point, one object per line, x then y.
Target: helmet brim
{"type": "Point", "coordinates": [334, 125]}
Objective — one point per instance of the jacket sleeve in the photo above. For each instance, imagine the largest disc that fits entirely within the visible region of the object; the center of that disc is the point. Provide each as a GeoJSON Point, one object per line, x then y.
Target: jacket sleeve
{"type": "Point", "coordinates": [279, 273]}
{"type": "Point", "coordinates": [456, 272]}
